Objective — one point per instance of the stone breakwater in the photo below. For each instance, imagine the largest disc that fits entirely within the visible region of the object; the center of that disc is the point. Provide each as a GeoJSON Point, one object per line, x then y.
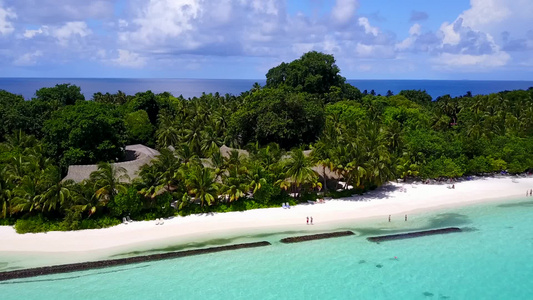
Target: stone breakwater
{"type": "Point", "coordinates": [122, 261]}
{"type": "Point", "coordinates": [413, 234]}
{"type": "Point", "coordinates": [320, 236]}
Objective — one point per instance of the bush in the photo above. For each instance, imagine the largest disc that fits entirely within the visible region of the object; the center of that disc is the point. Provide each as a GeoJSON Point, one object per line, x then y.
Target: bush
{"type": "Point", "coordinates": [70, 222]}
{"type": "Point", "coordinates": [128, 203]}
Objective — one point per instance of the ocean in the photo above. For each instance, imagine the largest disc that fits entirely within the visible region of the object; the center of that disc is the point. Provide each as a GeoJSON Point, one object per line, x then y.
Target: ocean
{"type": "Point", "coordinates": [491, 259]}
{"type": "Point", "coordinates": [195, 87]}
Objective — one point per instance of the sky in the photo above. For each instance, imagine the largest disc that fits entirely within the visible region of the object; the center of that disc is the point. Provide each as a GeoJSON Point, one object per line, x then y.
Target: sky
{"type": "Point", "coordinates": [243, 39]}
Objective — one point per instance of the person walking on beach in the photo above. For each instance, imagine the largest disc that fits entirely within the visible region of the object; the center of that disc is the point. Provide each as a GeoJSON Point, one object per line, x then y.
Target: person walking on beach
{"type": "Point", "coordinates": [307, 220]}
{"type": "Point", "coordinates": [405, 218]}
{"type": "Point", "coordinates": [389, 218]}
{"type": "Point", "coordinates": [531, 192]}
{"type": "Point", "coordinates": [311, 220]}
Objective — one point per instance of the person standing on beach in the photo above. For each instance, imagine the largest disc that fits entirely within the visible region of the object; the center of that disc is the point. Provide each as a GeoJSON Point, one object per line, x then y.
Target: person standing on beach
{"type": "Point", "coordinates": [389, 218]}
{"type": "Point", "coordinates": [311, 220]}
{"type": "Point", "coordinates": [307, 220]}
{"type": "Point", "coordinates": [405, 218]}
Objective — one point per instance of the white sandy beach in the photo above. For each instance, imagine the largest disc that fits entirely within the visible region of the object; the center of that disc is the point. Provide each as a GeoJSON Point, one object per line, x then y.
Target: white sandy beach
{"type": "Point", "coordinates": [394, 199]}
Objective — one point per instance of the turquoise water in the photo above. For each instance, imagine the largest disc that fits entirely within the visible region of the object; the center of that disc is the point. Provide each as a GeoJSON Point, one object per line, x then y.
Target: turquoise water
{"type": "Point", "coordinates": [491, 260]}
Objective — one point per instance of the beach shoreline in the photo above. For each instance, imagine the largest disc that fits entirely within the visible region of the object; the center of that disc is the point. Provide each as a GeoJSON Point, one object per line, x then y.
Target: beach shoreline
{"type": "Point", "coordinates": [395, 199]}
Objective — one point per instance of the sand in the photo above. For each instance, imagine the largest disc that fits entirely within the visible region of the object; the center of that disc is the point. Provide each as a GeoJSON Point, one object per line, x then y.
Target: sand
{"type": "Point", "coordinates": [395, 199]}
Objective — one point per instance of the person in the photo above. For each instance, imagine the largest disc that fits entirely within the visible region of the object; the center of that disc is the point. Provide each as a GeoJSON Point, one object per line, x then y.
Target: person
{"type": "Point", "coordinates": [531, 192]}
{"type": "Point", "coordinates": [311, 220]}
{"type": "Point", "coordinates": [406, 218]}
{"type": "Point", "coordinates": [307, 220]}
{"type": "Point", "coordinates": [453, 186]}
{"type": "Point", "coordinates": [389, 218]}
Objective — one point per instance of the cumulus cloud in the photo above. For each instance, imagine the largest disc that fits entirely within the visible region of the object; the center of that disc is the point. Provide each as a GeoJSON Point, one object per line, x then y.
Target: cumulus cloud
{"type": "Point", "coordinates": [344, 10]}
{"type": "Point", "coordinates": [129, 59]}
{"type": "Point", "coordinates": [28, 59]}
{"type": "Point", "coordinates": [368, 28]}
{"type": "Point", "coordinates": [447, 60]}
{"type": "Point", "coordinates": [6, 16]}
{"type": "Point", "coordinates": [63, 34]}
{"type": "Point", "coordinates": [469, 40]}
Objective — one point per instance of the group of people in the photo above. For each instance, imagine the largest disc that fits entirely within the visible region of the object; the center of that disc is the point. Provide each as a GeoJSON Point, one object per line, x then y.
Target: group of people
{"type": "Point", "coordinates": [405, 218]}
{"type": "Point", "coordinates": [309, 220]}
{"type": "Point", "coordinates": [529, 193]}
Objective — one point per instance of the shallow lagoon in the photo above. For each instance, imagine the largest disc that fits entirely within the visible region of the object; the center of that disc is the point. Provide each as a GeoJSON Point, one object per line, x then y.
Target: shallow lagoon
{"type": "Point", "coordinates": [491, 260]}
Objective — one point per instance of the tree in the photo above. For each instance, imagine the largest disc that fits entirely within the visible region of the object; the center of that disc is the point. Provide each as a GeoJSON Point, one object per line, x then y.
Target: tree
{"type": "Point", "coordinates": [109, 181]}
{"type": "Point", "coordinates": [56, 192]}
{"type": "Point", "coordinates": [10, 112]}
{"type": "Point", "coordinates": [85, 133]}
{"type": "Point", "coordinates": [201, 184]}
{"type": "Point", "coordinates": [276, 115]}
{"type": "Point", "coordinates": [314, 72]}
{"type": "Point", "coordinates": [417, 96]}
{"type": "Point", "coordinates": [5, 195]}
{"type": "Point", "coordinates": [299, 169]}
{"type": "Point", "coordinates": [61, 94]}
{"type": "Point", "coordinates": [138, 128]}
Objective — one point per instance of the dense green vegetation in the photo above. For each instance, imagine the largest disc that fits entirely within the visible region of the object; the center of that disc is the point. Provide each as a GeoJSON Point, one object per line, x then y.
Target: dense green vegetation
{"type": "Point", "coordinates": [363, 139]}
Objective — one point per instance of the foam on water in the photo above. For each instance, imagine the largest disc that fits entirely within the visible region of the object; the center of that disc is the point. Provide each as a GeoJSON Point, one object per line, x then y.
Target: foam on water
{"type": "Point", "coordinates": [491, 260]}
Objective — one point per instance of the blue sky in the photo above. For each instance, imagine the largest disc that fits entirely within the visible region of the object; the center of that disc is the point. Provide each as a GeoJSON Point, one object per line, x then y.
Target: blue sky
{"type": "Point", "coordinates": [242, 39]}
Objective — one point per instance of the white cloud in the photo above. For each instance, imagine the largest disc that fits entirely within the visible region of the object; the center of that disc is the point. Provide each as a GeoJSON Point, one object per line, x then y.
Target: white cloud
{"type": "Point", "coordinates": [466, 61]}
{"type": "Point", "coordinates": [450, 36]}
{"type": "Point", "coordinates": [414, 32]}
{"type": "Point", "coordinates": [160, 20]}
{"type": "Point", "coordinates": [28, 59]}
{"type": "Point", "coordinates": [129, 59]}
{"type": "Point", "coordinates": [497, 16]}
{"type": "Point", "coordinates": [374, 51]}
{"type": "Point", "coordinates": [344, 10]}
{"type": "Point", "coordinates": [369, 29]}
{"type": "Point", "coordinates": [71, 29]}
{"type": "Point", "coordinates": [31, 33]}
{"type": "Point", "coordinates": [416, 29]}
{"type": "Point", "coordinates": [6, 15]}
{"type": "Point", "coordinates": [63, 34]}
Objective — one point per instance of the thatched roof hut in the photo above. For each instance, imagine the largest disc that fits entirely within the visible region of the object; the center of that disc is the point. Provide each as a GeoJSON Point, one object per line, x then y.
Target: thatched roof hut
{"type": "Point", "coordinates": [136, 157]}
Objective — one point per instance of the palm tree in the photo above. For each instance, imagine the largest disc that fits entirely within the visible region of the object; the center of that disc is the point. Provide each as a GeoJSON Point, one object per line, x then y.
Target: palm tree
{"type": "Point", "coordinates": [85, 199]}
{"type": "Point", "coordinates": [56, 191]}
{"type": "Point", "coordinates": [218, 163]}
{"type": "Point", "coordinates": [201, 184]}
{"type": "Point", "coordinates": [167, 134]}
{"type": "Point", "coordinates": [149, 181]}
{"type": "Point", "coordinates": [210, 141]}
{"type": "Point", "coordinates": [257, 177]}
{"type": "Point", "coordinates": [299, 169]}
{"type": "Point", "coordinates": [5, 195]}
{"type": "Point", "coordinates": [168, 165]}
{"type": "Point", "coordinates": [26, 196]}
{"type": "Point", "coordinates": [108, 181]}
{"type": "Point", "coordinates": [321, 155]}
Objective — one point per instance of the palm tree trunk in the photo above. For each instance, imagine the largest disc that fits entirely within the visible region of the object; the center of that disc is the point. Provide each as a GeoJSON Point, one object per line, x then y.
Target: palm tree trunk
{"type": "Point", "coordinates": [325, 178]}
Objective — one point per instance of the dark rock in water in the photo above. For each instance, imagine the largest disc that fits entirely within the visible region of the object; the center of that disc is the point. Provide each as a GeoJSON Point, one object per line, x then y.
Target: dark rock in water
{"type": "Point", "coordinates": [121, 261]}
{"type": "Point", "coordinates": [413, 234]}
{"type": "Point", "coordinates": [362, 261]}
{"type": "Point", "coordinates": [445, 297]}
{"type": "Point", "coordinates": [305, 238]}
{"type": "Point", "coordinates": [379, 266]}
{"type": "Point", "coordinates": [427, 294]}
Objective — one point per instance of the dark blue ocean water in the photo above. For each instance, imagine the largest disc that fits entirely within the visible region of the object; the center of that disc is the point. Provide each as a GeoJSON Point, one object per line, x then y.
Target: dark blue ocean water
{"type": "Point", "coordinates": [194, 87]}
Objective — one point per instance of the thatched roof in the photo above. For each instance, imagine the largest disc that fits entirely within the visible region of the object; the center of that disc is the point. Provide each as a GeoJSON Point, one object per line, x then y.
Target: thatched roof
{"type": "Point", "coordinates": [225, 151]}
{"type": "Point", "coordinates": [136, 155]}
